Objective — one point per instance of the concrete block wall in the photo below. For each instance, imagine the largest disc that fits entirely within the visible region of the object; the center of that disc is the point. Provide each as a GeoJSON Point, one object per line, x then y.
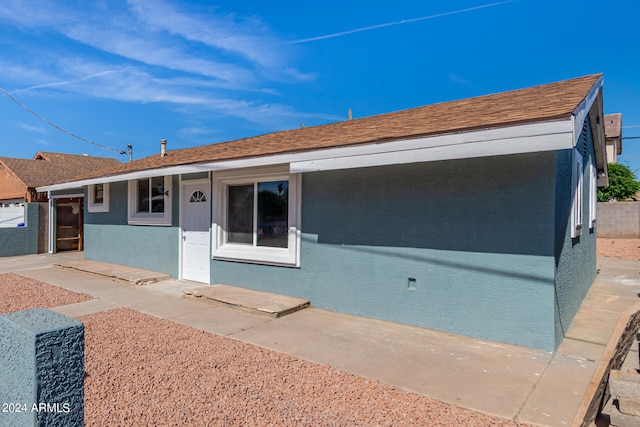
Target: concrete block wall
{"type": "Point", "coordinates": [21, 240]}
{"type": "Point", "coordinates": [624, 386]}
{"type": "Point", "coordinates": [619, 220]}
{"type": "Point", "coordinates": [41, 369]}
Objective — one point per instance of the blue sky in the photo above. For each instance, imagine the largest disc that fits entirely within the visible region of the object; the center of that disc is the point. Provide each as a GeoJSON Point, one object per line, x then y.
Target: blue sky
{"type": "Point", "coordinates": [121, 72]}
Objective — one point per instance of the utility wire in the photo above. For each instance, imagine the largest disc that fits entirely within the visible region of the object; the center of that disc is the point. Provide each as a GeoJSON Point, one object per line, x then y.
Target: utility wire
{"type": "Point", "coordinates": [58, 127]}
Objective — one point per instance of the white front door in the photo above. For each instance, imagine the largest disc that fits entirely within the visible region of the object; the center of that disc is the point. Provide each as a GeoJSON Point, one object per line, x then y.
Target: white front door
{"type": "Point", "coordinates": [196, 238]}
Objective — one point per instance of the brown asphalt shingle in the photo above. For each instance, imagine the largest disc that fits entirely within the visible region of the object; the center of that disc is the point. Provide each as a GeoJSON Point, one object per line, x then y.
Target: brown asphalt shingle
{"type": "Point", "coordinates": [51, 168]}
{"type": "Point", "coordinates": [541, 103]}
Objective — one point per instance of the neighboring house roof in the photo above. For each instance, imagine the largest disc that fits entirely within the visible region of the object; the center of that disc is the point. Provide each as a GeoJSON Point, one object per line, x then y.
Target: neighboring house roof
{"type": "Point", "coordinates": [51, 168]}
{"type": "Point", "coordinates": [545, 103]}
{"type": "Point", "coordinates": [613, 128]}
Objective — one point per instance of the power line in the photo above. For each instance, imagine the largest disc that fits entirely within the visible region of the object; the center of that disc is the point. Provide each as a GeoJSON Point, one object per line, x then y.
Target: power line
{"type": "Point", "coordinates": [58, 127]}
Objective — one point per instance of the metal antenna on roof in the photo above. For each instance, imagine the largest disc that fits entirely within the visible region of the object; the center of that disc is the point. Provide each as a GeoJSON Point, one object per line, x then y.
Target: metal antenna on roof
{"type": "Point", "coordinates": [350, 114]}
{"type": "Point", "coordinates": [130, 151]}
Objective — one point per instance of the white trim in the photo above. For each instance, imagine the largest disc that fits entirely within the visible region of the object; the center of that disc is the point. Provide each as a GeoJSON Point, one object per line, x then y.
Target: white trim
{"type": "Point", "coordinates": [593, 195]}
{"type": "Point", "coordinates": [223, 250]}
{"type": "Point", "coordinates": [52, 225]}
{"type": "Point", "coordinates": [533, 137]}
{"type": "Point", "coordinates": [149, 218]}
{"type": "Point", "coordinates": [581, 112]}
{"type": "Point", "coordinates": [180, 228]}
{"type": "Point", "coordinates": [547, 136]}
{"type": "Point", "coordinates": [66, 196]}
{"type": "Point", "coordinates": [98, 207]}
{"type": "Point", "coordinates": [577, 194]}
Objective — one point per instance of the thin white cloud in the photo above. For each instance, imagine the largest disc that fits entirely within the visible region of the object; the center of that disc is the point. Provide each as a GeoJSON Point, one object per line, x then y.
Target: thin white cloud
{"type": "Point", "coordinates": [206, 64]}
{"type": "Point", "coordinates": [247, 39]}
{"type": "Point", "coordinates": [43, 142]}
{"type": "Point", "coordinates": [195, 131]}
{"type": "Point", "coordinates": [156, 52]}
{"type": "Point", "coordinates": [70, 82]}
{"type": "Point", "coordinates": [459, 80]}
{"type": "Point", "coordinates": [155, 33]}
{"type": "Point", "coordinates": [31, 128]}
{"type": "Point", "coordinates": [390, 24]}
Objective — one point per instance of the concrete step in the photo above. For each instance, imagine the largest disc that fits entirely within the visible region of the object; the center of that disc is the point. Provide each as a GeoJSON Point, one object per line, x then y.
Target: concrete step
{"type": "Point", "coordinates": [135, 276]}
{"type": "Point", "coordinates": [257, 302]}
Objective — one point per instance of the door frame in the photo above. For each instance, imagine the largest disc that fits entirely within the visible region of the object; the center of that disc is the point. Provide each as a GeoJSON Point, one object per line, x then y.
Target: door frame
{"type": "Point", "coordinates": [53, 200]}
{"type": "Point", "coordinates": [183, 196]}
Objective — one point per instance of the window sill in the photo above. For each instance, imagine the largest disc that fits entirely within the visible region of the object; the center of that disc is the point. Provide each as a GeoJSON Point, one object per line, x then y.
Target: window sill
{"type": "Point", "coordinates": [97, 208]}
{"type": "Point", "coordinates": [149, 221]}
{"type": "Point", "coordinates": [263, 255]}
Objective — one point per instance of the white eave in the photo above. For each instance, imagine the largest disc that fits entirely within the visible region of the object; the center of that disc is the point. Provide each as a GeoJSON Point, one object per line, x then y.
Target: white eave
{"type": "Point", "coordinates": [581, 112]}
{"type": "Point", "coordinates": [523, 138]}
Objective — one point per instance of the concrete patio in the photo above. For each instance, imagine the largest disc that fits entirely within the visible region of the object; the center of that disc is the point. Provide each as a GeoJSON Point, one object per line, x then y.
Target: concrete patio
{"type": "Point", "coordinates": [523, 384]}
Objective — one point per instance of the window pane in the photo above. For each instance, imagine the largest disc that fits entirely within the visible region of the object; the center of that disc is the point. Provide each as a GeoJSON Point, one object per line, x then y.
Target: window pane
{"type": "Point", "coordinates": [240, 214]}
{"type": "Point", "coordinates": [143, 195]}
{"type": "Point", "coordinates": [98, 195]}
{"type": "Point", "coordinates": [157, 194]}
{"type": "Point", "coordinates": [273, 214]}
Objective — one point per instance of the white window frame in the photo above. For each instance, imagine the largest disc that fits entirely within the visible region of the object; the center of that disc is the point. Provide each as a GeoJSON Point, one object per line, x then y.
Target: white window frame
{"type": "Point", "coordinates": [149, 218]}
{"type": "Point", "coordinates": [577, 186]}
{"type": "Point", "coordinates": [223, 250]}
{"type": "Point", "coordinates": [92, 206]}
{"type": "Point", "coordinates": [593, 195]}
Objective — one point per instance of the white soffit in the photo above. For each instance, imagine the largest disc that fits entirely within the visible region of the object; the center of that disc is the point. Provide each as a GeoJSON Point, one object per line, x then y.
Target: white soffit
{"type": "Point", "coordinates": [526, 138]}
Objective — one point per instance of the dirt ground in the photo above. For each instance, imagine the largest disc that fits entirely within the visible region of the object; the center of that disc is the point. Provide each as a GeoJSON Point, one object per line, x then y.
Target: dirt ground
{"type": "Point", "coordinates": [620, 248]}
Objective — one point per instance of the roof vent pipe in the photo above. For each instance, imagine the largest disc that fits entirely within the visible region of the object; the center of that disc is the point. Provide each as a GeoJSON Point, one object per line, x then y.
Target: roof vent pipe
{"type": "Point", "coordinates": [163, 147]}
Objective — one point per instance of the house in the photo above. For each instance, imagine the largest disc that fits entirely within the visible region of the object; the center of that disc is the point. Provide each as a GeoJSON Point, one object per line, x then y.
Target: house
{"type": "Point", "coordinates": [474, 217]}
{"type": "Point", "coordinates": [21, 204]}
{"type": "Point", "coordinates": [613, 136]}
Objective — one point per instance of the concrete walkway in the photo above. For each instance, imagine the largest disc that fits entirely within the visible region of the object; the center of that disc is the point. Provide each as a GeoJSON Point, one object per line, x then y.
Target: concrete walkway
{"type": "Point", "coordinates": [528, 385]}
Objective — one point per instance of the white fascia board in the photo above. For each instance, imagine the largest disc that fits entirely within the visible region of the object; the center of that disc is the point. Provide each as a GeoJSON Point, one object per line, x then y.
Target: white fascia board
{"type": "Point", "coordinates": [548, 136]}
{"type": "Point", "coordinates": [533, 137]}
{"type": "Point", "coordinates": [149, 173]}
{"type": "Point", "coordinates": [526, 138]}
{"type": "Point", "coordinates": [582, 110]}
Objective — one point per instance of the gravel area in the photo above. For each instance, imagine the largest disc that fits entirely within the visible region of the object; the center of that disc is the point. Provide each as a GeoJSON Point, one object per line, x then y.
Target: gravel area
{"type": "Point", "coordinates": [142, 370]}
{"type": "Point", "coordinates": [621, 248]}
{"type": "Point", "coordinates": [19, 293]}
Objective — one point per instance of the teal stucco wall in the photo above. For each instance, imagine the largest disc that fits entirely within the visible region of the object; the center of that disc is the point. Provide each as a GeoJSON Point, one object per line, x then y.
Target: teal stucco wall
{"type": "Point", "coordinates": [108, 237]}
{"type": "Point", "coordinates": [575, 258]}
{"type": "Point", "coordinates": [41, 363]}
{"type": "Point", "coordinates": [475, 234]}
{"type": "Point", "coordinates": [478, 247]}
{"type": "Point", "coordinates": [16, 241]}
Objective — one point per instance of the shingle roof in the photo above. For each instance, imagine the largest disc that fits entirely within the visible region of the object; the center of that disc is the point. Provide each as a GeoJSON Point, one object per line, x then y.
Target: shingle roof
{"type": "Point", "coordinates": [51, 168]}
{"type": "Point", "coordinates": [540, 103]}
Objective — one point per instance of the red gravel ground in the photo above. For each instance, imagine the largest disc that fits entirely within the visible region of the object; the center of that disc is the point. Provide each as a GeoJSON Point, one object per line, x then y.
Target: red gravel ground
{"type": "Point", "coordinates": [142, 370]}
{"type": "Point", "coordinates": [19, 293]}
